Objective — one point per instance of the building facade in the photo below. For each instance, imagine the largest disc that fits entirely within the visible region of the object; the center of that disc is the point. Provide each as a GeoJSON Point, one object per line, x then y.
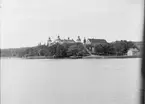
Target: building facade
{"type": "Point", "coordinates": [133, 52]}
{"type": "Point", "coordinates": [95, 41]}
{"type": "Point", "coordinates": [78, 39]}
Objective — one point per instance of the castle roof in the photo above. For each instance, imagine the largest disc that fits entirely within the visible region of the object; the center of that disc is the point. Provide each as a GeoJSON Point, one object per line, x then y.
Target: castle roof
{"type": "Point", "coordinates": [65, 40]}
{"type": "Point", "coordinates": [68, 41]}
{"type": "Point", "coordinates": [97, 41]}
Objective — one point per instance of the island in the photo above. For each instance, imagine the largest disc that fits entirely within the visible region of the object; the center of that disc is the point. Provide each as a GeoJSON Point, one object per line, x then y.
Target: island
{"type": "Point", "coordinates": [70, 49]}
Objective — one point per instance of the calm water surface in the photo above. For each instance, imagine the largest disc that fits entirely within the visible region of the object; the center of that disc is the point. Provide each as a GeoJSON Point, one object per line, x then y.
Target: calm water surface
{"type": "Point", "coordinates": [82, 81]}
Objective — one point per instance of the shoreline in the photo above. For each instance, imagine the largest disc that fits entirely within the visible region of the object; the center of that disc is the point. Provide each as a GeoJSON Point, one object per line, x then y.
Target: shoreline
{"type": "Point", "coordinates": [110, 57]}
{"type": "Point", "coordinates": [84, 57]}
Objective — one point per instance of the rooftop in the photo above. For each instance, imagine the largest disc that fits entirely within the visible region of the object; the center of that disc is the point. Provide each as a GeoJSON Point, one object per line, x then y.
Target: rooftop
{"type": "Point", "coordinates": [97, 40]}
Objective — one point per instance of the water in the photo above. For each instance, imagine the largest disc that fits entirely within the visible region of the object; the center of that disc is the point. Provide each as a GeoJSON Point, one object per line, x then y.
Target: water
{"type": "Point", "coordinates": [82, 81]}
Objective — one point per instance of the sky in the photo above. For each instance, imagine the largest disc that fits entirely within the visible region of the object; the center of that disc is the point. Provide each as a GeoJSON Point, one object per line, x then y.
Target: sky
{"type": "Point", "coordinates": [25, 23]}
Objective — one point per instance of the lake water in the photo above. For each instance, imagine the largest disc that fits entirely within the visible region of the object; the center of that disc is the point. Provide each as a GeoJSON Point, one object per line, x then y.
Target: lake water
{"type": "Point", "coordinates": [81, 81]}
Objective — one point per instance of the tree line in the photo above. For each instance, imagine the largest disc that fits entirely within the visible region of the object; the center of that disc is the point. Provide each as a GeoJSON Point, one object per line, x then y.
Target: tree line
{"type": "Point", "coordinates": [73, 49]}
{"type": "Point", "coordinates": [114, 48]}
{"type": "Point", "coordinates": [57, 50]}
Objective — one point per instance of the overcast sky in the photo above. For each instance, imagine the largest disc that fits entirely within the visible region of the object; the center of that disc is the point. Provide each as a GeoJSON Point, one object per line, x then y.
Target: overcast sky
{"type": "Point", "coordinates": [28, 22]}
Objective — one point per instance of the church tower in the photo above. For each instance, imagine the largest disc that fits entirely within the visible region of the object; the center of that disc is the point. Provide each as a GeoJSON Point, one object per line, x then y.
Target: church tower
{"type": "Point", "coordinates": [84, 40]}
{"type": "Point", "coordinates": [79, 39]}
{"type": "Point", "coordinates": [58, 37]}
{"type": "Point", "coordinates": [49, 41]}
{"type": "Point", "coordinates": [68, 38]}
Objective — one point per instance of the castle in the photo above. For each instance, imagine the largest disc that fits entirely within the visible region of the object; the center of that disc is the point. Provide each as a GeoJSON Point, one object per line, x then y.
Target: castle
{"type": "Point", "coordinates": [89, 41]}
{"type": "Point", "coordinates": [61, 41]}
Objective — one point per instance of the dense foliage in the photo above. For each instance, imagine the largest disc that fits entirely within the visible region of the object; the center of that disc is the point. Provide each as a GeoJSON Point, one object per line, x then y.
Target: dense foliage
{"type": "Point", "coordinates": [114, 48]}
{"type": "Point", "coordinates": [76, 50]}
{"type": "Point", "coordinates": [71, 49]}
{"type": "Point", "coordinates": [66, 50]}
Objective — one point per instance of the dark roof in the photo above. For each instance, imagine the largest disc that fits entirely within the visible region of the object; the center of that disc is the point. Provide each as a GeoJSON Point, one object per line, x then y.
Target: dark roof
{"type": "Point", "coordinates": [68, 41]}
{"type": "Point", "coordinates": [49, 40]}
{"type": "Point", "coordinates": [133, 49]}
{"type": "Point", "coordinates": [78, 39]}
{"type": "Point", "coordinates": [139, 45]}
{"type": "Point", "coordinates": [97, 40]}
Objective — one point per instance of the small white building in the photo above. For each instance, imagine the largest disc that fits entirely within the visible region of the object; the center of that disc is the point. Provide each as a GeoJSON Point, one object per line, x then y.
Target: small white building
{"type": "Point", "coordinates": [132, 52]}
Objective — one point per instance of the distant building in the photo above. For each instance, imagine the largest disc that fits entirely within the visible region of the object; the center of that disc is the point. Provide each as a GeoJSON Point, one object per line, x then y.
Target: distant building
{"type": "Point", "coordinates": [84, 41]}
{"type": "Point", "coordinates": [49, 42]}
{"type": "Point", "coordinates": [78, 40]}
{"type": "Point", "coordinates": [58, 40]}
{"type": "Point", "coordinates": [132, 52]}
{"type": "Point", "coordinates": [39, 44]}
{"type": "Point", "coordinates": [139, 45]}
{"type": "Point", "coordinates": [95, 41]}
{"type": "Point", "coordinates": [68, 41]}
{"type": "Point", "coordinates": [42, 43]}
{"type": "Point", "coordinates": [92, 42]}
{"type": "Point", "coordinates": [61, 41]}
